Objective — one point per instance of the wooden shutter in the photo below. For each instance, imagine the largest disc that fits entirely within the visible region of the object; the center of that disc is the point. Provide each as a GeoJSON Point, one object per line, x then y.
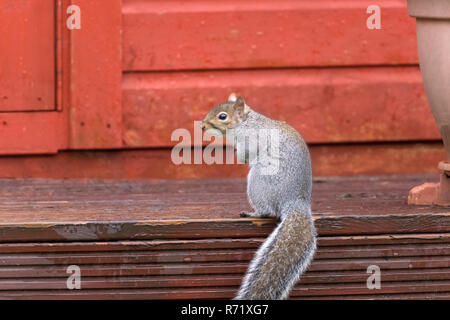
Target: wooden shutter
{"type": "Point", "coordinates": [59, 88]}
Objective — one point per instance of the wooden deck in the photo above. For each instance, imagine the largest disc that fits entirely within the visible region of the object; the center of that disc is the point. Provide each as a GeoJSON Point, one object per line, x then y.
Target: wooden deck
{"type": "Point", "coordinates": [170, 239]}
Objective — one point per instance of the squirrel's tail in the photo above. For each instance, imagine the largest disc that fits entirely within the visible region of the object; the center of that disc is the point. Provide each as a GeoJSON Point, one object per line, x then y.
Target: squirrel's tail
{"type": "Point", "coordinates": [282, 258]}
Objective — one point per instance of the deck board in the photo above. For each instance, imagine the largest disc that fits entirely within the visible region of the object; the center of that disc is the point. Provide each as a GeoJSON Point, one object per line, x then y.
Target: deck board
{"type": "Point", "coordinates": [176, 239]}
{"type": "Point", "coordinates": [41, 201]}
{"type": "Point", "coordinates": [72, 210]}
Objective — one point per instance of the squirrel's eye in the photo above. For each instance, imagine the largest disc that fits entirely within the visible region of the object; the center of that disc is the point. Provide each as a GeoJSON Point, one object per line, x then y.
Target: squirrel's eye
{"type": "Point", "coordinates": [222, 116]}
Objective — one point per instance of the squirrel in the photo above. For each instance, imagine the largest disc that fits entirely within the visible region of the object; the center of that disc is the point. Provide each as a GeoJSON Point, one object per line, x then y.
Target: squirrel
{"type": "Point", "coordinates": [283, 257]}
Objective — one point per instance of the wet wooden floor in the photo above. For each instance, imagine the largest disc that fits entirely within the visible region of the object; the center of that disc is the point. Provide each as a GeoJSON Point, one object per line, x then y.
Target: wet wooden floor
{"type": "Point", "coordinates": [170, 239]}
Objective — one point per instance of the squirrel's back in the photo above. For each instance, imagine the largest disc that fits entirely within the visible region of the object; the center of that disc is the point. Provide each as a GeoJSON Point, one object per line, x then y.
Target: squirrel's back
{"type": "Point", "coordinates": [293, 179]}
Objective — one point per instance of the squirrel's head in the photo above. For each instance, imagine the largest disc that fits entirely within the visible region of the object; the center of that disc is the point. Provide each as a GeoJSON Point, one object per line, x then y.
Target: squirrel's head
{"type": "Point", "coordinates": [226, 116]}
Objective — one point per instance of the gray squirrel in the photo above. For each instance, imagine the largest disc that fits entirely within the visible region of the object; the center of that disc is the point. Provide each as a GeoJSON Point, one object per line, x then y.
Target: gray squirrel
{"type": "Point", "coordinates": [285, 192]}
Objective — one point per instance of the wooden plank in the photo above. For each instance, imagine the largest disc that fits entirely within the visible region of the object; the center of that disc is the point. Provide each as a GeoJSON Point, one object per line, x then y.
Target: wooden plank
{"type": "Point", "coordinates": [217, 280]}
{"type": "Point", "coordinates": [124, 257]}
{"type": "Point", "coordinates": [211, 294]}
{"type": "Point", "coordinates": [349, 276]}
{"type": "Point", "coordinates": [27, 56]}
{"type": "Point", "coordinates": [215, 255]}
{"type": "Point", "coordinates": [32, 132]}
{"type": "Point", "coordinates": [383, 224]}
{"type": "Point", "coordinates": [42, 210]}
{"type": "Point", "coordinates": [130, 246]}
{"type": "Point", "coordinates": [373, 159]}
{"type": "Point", "coordinates": [223, 293]}
{"type": "Point", "coordinates": [392, 239]}
{"type": "Point", "coordinates": [372, 251]}
{"type": "Point", "coordinates": [42, 132]}
{"type": "Point", "coordinates": [335, 160]}
{"type": "Point", "coordinates": [261, 34]}
{"type": "Point", "coordinates": [387, 103]}
{"type": "Point", "coordinates": [162, 245]}
{"type": "Point", "coordinates": [64, 56]}
{"type": "Point", "coordinates": [155, 269]}
{"type": "Point", "coordinates": [400, 296]}
{"type": "Point", "coordinates": [152, 294]}
{"type": "Point", "coordinates": [115, 270]}
{"type": "Point", "coordinates": [386, 288]}
{"type": "Point", "coordinates": [225, 228]}
{"type": "Point", "coordinates": [42, 201]}
{"type": "Point", "coordinates": [96, 71]}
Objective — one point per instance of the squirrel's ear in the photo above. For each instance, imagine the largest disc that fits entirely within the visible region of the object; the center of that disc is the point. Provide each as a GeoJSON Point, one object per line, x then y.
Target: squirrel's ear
{"type": "Point", "coordinates": [232, 97]}
{"type": "Point", "coordinates": [241, 107]}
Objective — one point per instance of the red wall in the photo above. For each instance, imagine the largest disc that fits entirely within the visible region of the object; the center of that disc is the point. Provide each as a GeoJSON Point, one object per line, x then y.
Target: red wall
{"type": "Point", "coordinates": [355, 94]}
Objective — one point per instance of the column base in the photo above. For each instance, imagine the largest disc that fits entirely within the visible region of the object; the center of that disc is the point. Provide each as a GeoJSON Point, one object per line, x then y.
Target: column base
{"type": "Point", "coordinates": [433, 193]}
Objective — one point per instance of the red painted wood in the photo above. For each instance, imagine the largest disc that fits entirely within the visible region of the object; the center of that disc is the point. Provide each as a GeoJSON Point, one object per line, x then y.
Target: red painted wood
{"type": "Point", "coordinates": [27, 55]}
{"type": "Point", "coordinates": [354, 159]}
{"type": "Point", "coordinates": [374, 159]}
{"type": "Point", "coordinates": [176, 35]}
{"type": "Point", "coordinates": [88, 86]}
{"type": "Point", "coordinates": [63, 57]}
{"type": "Point", "coordinates": [32, 132]}
{"type": "Point", "coordinates": [324, 105]}
{"type": "Point", "coordinates": [96, 70]}
{"type": "Point", "coordinates": [42, 132]}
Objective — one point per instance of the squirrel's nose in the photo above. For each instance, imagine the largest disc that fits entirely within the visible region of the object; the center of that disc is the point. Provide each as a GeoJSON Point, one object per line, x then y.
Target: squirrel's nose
{"type": "Point", "coordinates": [203, 126]}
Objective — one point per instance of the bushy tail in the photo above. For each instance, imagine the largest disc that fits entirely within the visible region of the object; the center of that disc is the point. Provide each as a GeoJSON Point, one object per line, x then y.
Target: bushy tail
{"type": "Point", "coordinates": [282, 258]}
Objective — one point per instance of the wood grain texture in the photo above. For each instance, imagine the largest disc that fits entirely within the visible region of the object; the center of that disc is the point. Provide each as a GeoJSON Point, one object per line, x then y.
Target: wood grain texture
{"type": "Point", "coordinates": [325, 105]}
{"type": "Point", "coordinates": [32, 133]}
{"type": "Point", "coordinates": [34, 60]}
{"type": "Point", "coordinates": [214, 280]}
{"type": "Point", "coordinates": [263, 34]}
{"type": "Point", "coordinates": [27, 55]}
{"type": "Point", "coordinates": [400, 296]}
{"type": "Point", "coordinates": [438, 288]}
{"type": "Point", "coordinates": [215, 255]}
{"type": "Point", "coordinates": [95, 79]}
{"type": "Point", "coordinates": [206, 244]}
{"type": "Point", "coordinates": [328, 160]}
{"type": "Point", "coordinates": [178, 239]}
{"type": "Point", "coordinates": [86, 76]}
{"type": "Point", "coordinates": [58, 210]}
{"type": "Point", "coordinates": [218, 268]}
{"type": "Point", "coordinates": [192, 229]}
{"type": "Point", "coordinates": [344, 275]}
